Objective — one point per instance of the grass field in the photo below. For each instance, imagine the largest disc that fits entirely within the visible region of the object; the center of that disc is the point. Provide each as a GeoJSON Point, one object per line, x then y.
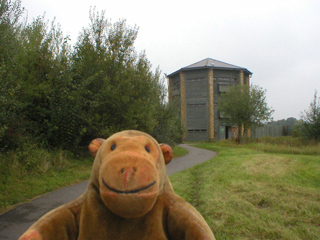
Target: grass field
{"type": "Point", "coordinates": [247, 193]}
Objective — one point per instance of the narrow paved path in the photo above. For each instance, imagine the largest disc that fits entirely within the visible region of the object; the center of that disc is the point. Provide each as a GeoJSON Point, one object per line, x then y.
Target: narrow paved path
{"type": "Point", "coordinates": [194, 157]}
{"type": "Point", "coordinates": [16, 221]}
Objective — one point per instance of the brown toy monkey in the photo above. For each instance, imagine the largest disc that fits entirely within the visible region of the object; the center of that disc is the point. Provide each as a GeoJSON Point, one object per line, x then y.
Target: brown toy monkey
{"type": "Point", "coordinates": [129, 196]}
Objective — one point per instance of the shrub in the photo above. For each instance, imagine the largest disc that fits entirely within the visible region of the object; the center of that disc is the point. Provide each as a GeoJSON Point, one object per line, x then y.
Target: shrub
{"type": "Point", "coordinates": [310, 129]}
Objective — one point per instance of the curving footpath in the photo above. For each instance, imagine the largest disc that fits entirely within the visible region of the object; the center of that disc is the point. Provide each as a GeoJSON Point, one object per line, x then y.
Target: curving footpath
{"type": "Point", "coordinates": [16, 221]}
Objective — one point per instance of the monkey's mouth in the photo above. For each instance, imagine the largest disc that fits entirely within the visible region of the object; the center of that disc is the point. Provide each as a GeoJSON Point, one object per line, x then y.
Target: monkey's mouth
{"type": "Point", "coordinates": [130, 191]}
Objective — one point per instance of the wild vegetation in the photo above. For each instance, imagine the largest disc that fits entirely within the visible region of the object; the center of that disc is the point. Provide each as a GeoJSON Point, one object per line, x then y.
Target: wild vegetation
{"type": "Point", "coordinates": [31, 172]}
{"type": "Point", "coordinates": [252, 192]}
{"type": "Point", "coordinates": [286, 144]}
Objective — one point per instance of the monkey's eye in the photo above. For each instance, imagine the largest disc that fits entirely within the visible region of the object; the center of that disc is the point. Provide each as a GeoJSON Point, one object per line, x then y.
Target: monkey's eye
{"type": "Point", "coordinates": [113, 147]}
{"type": "Point", "coordinates": [147, 149]}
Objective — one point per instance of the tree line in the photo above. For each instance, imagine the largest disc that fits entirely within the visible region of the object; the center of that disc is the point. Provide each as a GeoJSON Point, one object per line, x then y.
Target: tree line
{"type": "Point", "coordinates": [62, 96]}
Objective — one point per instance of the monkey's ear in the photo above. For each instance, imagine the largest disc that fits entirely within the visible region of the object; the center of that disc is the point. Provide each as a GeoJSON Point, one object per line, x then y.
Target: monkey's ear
{"type": "Point", "coordinates": [167, 152]}
{"type": "Point", "coordinates": [95, 145]}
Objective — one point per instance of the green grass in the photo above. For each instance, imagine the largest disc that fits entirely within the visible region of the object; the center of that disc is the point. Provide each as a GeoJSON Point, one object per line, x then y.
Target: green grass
{"type": "Point", "coordinates": [246, 193]}
{"type": "Point", "coordinates": [179, 151]}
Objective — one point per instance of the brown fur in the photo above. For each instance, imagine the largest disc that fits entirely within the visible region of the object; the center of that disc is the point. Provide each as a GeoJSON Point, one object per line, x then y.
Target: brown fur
{"type": "Point", "coordinates": [129, 196]}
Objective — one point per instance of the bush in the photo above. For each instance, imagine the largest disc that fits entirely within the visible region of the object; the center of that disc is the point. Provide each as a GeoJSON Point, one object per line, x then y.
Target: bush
{"type": "Point", "coordinates": [310, 129]}
{"type": "Point", "coordinates": [169, 127]}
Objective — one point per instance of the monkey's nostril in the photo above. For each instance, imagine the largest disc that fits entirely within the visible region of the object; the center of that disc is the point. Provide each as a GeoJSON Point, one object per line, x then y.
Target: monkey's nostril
{"type": "Point", "coordinates": [122, 170]}
{"type": "Point", "coordinates": [134, 169]}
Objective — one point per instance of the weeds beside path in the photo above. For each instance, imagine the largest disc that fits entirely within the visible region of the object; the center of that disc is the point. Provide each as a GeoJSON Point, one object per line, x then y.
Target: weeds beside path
{"type": "Point", "coordinates": [18, 184]}
{"type": "Point", "coordinates": [246, 193]}
{"type": "Point", "coordinates": [32, 172]}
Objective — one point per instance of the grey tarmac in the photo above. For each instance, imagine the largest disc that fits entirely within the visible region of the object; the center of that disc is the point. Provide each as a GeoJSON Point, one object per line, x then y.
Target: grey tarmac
{"type": "Point", "coordinates": [16, 221]}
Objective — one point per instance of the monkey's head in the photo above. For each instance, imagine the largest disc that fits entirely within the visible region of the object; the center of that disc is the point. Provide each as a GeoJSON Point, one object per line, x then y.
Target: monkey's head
{"type": "Point", "coordinates": [129, 170]}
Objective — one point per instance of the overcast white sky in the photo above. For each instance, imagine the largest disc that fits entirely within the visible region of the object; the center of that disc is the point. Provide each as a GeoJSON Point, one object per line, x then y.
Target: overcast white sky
{"type": "Point", "coordinates": [277, 40]}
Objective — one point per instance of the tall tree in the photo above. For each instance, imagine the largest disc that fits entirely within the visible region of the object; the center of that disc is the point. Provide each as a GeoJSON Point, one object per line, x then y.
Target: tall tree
{"type": "Point", "coordinates": [44, 75]}
{"type": "Point", "coordinates": [10, 14]}
{"type": "Point", "coordinates": [310, 128]}
{"type": "Point", "coordinates": [121, 89]}
{"type": "Point", "coordinates": [10, 107]}
{"type": "Point", "coordinates": [246, 107]}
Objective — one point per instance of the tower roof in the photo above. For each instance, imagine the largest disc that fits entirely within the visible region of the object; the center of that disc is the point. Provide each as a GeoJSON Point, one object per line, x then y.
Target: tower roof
{"type": "Point", "coordinates": [211, 63]}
